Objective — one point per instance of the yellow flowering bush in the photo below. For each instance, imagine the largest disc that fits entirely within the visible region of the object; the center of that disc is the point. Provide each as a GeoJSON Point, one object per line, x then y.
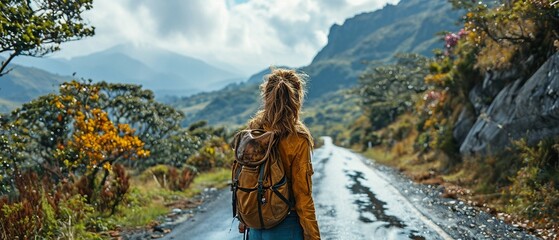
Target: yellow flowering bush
{"type": "Point", "coordinates": [99, 142]}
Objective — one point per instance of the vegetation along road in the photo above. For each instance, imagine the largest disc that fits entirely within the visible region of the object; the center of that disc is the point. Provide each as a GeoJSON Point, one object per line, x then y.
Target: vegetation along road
{"type": "Point", "coordinates": [357, 199]}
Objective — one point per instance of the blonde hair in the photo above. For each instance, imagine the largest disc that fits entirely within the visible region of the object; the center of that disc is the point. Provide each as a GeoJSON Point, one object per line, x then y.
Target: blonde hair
{"type": "Point", "coordinates": [282, 92]}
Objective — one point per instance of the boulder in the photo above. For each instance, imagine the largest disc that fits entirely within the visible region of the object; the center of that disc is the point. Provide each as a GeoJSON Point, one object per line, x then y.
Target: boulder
{"type": "Point", "coordinates": [522, 109]}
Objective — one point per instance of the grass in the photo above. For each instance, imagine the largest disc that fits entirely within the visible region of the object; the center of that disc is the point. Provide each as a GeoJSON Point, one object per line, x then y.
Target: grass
{"type": "Point", "coordinates": [144, 212]}
{"type": "Point", "coordinates": [217, 178]}
{"type": "Point", "coordinates": [148, 201]}
{"type": "Point", "coordinates": [382, 155]}
{"type": "Point", "coordinates": [402, 155]}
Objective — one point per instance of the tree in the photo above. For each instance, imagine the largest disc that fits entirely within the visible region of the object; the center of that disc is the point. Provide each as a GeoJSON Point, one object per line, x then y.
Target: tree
{"type": "Point", "coordinates": [67, 134]}
{"type": "Point", "coordinates": [51, 133]}
{"type": "Point", "coordinates": [97, 144]}
{"type": "Point", "coordinates": [156, 124]}
{"type": "Point", "coordinates": [38, 27]}
{"type": "Point", "coordinates": [508, 30]}
{"type": "Point", "coordinates": [387, 91]}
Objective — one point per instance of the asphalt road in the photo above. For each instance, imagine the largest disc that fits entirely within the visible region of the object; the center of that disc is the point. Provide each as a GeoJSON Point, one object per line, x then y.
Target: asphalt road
{"type": "Point", "coordinates": [357, 199]}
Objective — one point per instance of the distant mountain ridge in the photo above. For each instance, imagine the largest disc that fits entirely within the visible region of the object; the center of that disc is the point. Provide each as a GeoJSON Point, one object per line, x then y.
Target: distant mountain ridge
{"type": "Point", "coordinates": [374, 37]}
{"type": "Point", "coordinates": [160, 70]}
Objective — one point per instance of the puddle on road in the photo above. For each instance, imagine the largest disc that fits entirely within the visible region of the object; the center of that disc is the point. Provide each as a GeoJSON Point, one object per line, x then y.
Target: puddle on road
{"type": "Point", "coordinates": [368, 204]}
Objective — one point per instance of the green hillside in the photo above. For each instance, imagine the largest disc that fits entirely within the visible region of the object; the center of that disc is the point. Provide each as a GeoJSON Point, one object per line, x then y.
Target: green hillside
{"type": "Point", "coordinates": [229, 107]}
{"type": "Point", "coordinates": [24, 84]}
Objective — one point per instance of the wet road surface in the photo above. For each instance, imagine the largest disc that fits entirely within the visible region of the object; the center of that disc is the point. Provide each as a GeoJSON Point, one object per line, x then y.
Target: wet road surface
{"type": "Point", "coordinates": [356, 199]}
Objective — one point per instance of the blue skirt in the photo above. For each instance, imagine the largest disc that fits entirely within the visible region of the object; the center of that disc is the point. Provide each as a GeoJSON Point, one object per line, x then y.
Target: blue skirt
{"type": "Point", "coordinates": [288, 229]}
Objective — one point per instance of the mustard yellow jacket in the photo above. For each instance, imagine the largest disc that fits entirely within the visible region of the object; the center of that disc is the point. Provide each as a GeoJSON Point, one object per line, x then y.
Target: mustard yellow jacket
{"type": "Point", "coordinates": [295, 152]}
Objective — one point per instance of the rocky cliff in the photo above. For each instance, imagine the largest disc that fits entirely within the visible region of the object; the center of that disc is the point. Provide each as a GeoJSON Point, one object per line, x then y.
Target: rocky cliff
{"type": "Point", "coordinates": [508, 106]}
{"type": "Point", "coordinates": [411, 26]}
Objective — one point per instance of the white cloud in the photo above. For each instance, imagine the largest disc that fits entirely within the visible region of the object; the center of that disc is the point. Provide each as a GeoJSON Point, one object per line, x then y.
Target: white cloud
{"type": "Point", "coordinates": [249, 35]}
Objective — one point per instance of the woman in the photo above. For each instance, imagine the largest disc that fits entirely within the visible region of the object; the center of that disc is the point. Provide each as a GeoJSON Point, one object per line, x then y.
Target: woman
{"type": "Point", "coordinates": [282, 95]}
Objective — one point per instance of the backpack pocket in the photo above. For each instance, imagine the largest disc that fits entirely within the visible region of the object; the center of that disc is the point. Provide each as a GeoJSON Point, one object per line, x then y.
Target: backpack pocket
{"type": "Point", "coordinates": [247, 191]}
{"type": "Point", "coordinates": [279, 200]}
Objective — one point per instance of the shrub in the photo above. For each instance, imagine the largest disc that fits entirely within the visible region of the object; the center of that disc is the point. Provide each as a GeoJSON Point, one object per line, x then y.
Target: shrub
{"type": "Point", "coordinates": [73, 214]}
{"type": "Point", "coordinates": [23, 218]}
{"type": "Point", "coordinates": [114, 190]}
{"type": "Point", "coordinates": [180, 181]}
{"type": "Point", "coordinates": [42, 209]}
{"type": "Point", "coordinates": [215, 153]}
{"type": "Point", "coordinates": [535, 186]}
{"type": "Point", "coordinates": [170, 177]}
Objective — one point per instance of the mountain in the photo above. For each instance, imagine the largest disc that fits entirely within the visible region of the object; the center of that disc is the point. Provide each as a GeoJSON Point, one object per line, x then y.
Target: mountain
{"type": "Point", "coordinates": [410, 26]}
{"type": "Point", "coordinates": [23, 84]}
{"type": "Point", "coordinates": [161, 70]}
{"type": "Point", "coordinates": [258, 77]}
{"type": "Point", "coordinates": [367, 38]}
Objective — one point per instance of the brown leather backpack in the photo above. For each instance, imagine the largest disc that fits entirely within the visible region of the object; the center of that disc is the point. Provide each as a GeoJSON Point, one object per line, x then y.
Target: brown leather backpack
{"type": "Point", "coordinates": [261, 195]}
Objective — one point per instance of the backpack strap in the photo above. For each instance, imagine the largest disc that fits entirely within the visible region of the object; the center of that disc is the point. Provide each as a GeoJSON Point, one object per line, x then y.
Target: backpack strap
{"type": "Point", "coordinates": [283, 198]}
{"type": "Point", "coordinates": [259, 195]}
{"type": "Point", "coordinates": [234, 187]}
{"type": "Point", "coordinates": [285, 180]}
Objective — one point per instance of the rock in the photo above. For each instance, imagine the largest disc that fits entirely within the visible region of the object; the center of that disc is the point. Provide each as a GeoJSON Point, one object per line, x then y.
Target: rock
{"type": "Point", "coordinates": [522, 109]}
{"type": "Point", "coordinates": [478, 99]}
{"type": "Point", "coordinates": [156, 236]}
{"type": "Point", "coordinates": [483, 94]}
{"type": "Point", "coordinates": [159, 228]}
{"type": "Point", "coordinates": [463, 124]}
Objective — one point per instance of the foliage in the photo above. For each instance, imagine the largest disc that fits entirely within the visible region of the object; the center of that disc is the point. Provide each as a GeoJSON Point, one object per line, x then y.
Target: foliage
{"type": "Point", "coordinates": [494, 37]}
{"type": "Point", "coordinates": [38, 27]}
{"type": "Point", "coordinates": [88, 127]}
{"type": "Point", "coordinates": [41, 210]}
{"type": "Point", "coordinates": [101, 150]}
{"type": "Point", "coordinates": [434, 113]}
{"type": "Point", "coordinates": [535, 186]}
{"type": "Point", "coordinates": [510, 30]}
{"type": "Point", "coordinates": [24, 218]}
{"type": "Point", "coordinates": [73, 217]}
{"type": "Point", "coordinates": [113, 191]}
{"type": "Point", "coordinates": [214, 154]}
{"type": "Point", "coordinates": [67, 137]}
{"type": "Point", "coordinates": [78, 141]}
{"type": "Point", "coordinates": [450, 79]}
{"type": "Point", "coordinates": [389, 90]}
{"type": "Point", "coordinates": [170, 177]}
{"type": "Point", "coordinates": [332, 115]}
{"type": "Point", "coordinates": [154, 123]}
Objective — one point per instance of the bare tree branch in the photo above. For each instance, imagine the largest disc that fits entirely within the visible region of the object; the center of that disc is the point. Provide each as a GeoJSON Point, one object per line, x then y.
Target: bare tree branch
{"type": "Point", "coordinates": [5, 63]}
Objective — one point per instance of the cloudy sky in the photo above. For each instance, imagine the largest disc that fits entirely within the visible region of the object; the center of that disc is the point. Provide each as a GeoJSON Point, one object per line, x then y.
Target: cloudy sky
{"type": "Point", "coordinates": [248, 35]}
